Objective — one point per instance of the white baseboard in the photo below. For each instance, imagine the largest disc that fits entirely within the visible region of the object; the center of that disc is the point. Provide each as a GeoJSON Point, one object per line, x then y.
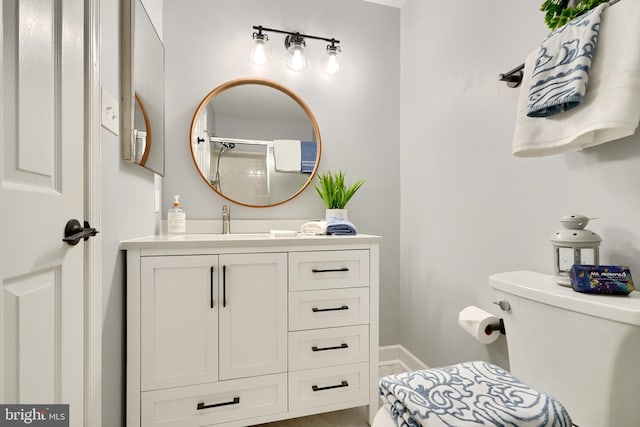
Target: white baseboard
{"type": "Point", "coordinates": [397, 354]}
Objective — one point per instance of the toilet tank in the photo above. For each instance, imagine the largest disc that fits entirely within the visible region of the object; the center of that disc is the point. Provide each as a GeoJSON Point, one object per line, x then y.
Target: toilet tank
{"type": "Point", "coordinates": [584, 349]}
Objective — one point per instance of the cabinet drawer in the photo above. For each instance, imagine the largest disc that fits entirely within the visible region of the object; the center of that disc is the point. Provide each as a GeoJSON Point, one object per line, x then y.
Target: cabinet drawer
{"type": "Point", "coordinates": [346, 384]}
{"type": "Point", "coordinates": [215, 403]}
{"type": "Point", "coordinates": [328, 347]}
{"type": "Point", "coordinates": [328, 270]}
{"type": "Point", "coordinates": [331, 308]}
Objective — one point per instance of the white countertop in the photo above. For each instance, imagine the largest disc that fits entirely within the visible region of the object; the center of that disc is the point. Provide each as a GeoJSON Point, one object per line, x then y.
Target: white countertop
{"type": "Point", "coordinates": [204, 240]}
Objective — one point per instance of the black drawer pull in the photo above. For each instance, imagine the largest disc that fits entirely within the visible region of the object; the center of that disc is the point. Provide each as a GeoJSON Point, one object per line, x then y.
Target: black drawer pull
{"type": "Point", "coordinates": [224, 285]}
{"type": "Point", "coordinates": [342, 384]}
{"type": "Point", "coordinates": [338, 347]}
{"type": "Point", "coordinates": [329, 270]}
{"type": "Point", "coordinates": [201, 405]}
{"type": "Point", "coordinates": [317, 310]}
{"type": "Point", "coordinates": [211, 287]}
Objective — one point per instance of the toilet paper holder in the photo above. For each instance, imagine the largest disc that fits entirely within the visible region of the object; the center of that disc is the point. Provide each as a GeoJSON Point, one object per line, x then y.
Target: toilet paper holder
{"type": "Point", "coordinates": [480, 324]}
{"type": "Point", "coordinates": [495, 327]}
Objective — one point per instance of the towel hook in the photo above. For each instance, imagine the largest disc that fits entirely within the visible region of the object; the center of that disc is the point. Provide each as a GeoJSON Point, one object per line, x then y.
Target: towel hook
{"type": "Point", "coordinates": [513, 77]}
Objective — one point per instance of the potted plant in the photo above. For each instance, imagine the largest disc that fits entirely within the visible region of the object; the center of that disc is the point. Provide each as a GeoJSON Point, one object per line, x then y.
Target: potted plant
{"type": "Point", "coordinates": [559, 12]}
{"type": "Point", "coordinates": [334, 192]}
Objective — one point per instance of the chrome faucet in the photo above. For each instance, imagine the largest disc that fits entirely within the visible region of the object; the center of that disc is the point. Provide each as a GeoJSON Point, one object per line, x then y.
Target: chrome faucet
{"type": "Point", "coordinates": [226, 219]}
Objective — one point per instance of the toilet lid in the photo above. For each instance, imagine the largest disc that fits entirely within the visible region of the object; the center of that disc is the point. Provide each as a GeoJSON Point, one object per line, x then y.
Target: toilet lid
{"type": "Point", "coordinates": [543, 288]}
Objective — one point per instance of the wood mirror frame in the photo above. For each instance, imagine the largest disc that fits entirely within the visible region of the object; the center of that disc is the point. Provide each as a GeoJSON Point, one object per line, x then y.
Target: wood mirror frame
{"type": "Point", "coordinates": [196, 137]}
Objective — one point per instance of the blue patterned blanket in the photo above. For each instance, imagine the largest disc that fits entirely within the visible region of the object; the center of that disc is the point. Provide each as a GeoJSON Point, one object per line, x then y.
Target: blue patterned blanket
{"type": "Point", "coordinates": [561, 71]}
{"type": "Point", "coordinates": [468, 394]}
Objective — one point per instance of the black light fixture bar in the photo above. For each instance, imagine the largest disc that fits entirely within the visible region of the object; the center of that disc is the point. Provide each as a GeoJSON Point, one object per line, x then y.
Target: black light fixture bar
{"type": "Point", "coordinates": [260, 29]}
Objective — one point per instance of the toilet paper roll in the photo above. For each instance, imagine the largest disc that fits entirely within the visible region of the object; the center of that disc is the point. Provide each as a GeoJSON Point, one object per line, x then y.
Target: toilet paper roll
{"type": "Point", "coordinates": [475, 320]}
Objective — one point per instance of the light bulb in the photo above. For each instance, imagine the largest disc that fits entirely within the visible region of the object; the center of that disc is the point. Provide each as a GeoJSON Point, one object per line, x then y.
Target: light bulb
{"type": "Point", "coordinates": [331, 63]}
{"type": "Point", "coordinates": [296, 61]}
{"type": "Point", "coordinates": [260, 52]}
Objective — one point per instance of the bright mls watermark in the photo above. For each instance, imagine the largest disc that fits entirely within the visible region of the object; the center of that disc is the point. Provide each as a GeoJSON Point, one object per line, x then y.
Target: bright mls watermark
{"type": "Point", "coordinates": [34, 415]}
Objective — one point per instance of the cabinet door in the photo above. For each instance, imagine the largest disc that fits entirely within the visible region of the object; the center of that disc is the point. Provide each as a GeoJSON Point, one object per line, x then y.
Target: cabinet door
{"type": "Point", "coordinates": [253, 314]}
{"type": "Point", "coordinates": [179, 321]}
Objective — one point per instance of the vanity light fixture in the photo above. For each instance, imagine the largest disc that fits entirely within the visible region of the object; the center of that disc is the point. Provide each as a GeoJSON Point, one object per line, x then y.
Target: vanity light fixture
{"type": "Point", "coordinates": [331, 63]}
{"type": "Point", "coordinates": [296, 61]}
{"type": "Point", "coordinates": [295, 43]}
{"type": "Point", "coordinates": [260, 52]}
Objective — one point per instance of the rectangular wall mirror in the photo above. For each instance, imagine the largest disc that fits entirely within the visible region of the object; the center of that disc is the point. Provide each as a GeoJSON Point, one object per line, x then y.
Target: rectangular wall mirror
{"type": "Point", "coordinates": [142, 89]}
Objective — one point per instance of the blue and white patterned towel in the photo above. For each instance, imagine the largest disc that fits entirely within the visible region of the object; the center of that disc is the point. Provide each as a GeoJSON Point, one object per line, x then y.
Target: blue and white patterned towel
{"type": "Point", "coordinates": [561, 71]}
{"type": "Point", "coordinates": [468, 394]}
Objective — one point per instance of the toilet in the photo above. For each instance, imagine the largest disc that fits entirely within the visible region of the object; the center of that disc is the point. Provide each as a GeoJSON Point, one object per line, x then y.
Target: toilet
{"type": "Point", "coordinates": [583, 349]}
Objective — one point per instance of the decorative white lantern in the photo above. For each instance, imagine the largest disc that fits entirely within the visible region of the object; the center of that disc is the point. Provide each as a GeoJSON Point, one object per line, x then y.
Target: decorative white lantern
{"type": "Point", "coordinates": [573, 245]}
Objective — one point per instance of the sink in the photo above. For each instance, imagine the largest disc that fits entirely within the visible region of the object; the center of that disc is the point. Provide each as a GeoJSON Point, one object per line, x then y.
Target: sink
{"type": "Point", "coordinates": [244, 236]}
{"type": "Point", "coordinates": [213, 236]}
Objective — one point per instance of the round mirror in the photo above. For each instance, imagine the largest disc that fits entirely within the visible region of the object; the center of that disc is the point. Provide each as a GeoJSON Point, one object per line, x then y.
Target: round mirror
{"type": "Point", "coordinates": [141, 134]}
{"type": "Point", "coordinates": [255, 142]}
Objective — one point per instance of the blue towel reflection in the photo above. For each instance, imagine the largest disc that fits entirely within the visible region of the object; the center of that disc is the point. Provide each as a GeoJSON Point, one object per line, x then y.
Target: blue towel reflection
{"type": "Point", "coordinates": [308, 154]}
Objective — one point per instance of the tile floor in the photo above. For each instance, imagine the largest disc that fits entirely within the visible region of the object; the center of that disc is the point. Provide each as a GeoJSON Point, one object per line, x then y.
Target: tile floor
{"type": "Point", "coordinates": [354, 417]}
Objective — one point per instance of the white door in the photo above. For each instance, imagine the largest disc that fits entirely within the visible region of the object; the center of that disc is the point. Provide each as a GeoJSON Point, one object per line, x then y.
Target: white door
{"type": "Point", "coordinates": [41, 187]}
{"type": "Point", "coordinates": [252, 314]}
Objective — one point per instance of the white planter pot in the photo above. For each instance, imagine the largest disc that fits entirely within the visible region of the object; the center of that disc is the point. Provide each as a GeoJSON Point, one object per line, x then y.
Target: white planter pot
{"type": "Point", "coordinates": [340, 213]}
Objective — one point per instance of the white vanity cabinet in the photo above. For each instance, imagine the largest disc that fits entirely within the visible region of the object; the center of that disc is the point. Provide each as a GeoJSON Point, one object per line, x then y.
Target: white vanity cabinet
{"type": "Point", "coordinates": [225, 331]}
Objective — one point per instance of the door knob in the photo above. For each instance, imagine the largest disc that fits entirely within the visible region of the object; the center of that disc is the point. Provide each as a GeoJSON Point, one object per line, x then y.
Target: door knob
{"type": "Point", "coordinates": [74, 232]}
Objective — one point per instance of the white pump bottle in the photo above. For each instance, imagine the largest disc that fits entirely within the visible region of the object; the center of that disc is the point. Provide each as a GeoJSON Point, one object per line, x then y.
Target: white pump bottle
{"type": "Point", "coordinates": [176, 218]}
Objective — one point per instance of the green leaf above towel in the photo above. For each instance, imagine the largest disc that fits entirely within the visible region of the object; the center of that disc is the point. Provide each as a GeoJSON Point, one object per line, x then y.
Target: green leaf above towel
{"type": "Point", "coordinates": [558, 12]}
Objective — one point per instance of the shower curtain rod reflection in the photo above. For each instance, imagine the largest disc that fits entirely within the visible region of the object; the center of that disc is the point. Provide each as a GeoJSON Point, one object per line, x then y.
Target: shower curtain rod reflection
{"type": "Point", "coordinates": [241, 141]}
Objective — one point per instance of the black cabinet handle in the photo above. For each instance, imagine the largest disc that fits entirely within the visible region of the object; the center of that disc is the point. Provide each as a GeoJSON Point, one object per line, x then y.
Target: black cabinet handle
{"type": "Point", "coordinates": [201, 405]}
{"type": "Point", "coordinates": [211, 286]}
{"type": "Point", "coordinates": [338, 347]}
{"type": "Point", "coordinates": [329, 270]}
{"type": "Point", "coordinates": [317, 310]}
{"type": "Point", "coordinates": [224, 285]}
{"type": "Point", "coordinates": [342, 384]}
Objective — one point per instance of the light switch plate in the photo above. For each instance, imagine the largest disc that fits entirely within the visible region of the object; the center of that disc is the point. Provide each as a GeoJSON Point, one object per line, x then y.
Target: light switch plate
{"type": "Point", "coordinates": [110, 112]}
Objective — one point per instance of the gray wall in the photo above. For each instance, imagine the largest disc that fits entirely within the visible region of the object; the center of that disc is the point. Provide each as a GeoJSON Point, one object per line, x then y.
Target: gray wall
{"type": "Point", "coordinates": [469, 208]}
{"type": "Point", "coordinates": [127, 212]}
{"type": "Point", "coordinates": [207, 42]}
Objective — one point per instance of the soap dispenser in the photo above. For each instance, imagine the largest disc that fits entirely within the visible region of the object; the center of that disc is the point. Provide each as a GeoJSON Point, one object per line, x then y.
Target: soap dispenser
{"type": "Point", "coordinates": [176, 218]}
